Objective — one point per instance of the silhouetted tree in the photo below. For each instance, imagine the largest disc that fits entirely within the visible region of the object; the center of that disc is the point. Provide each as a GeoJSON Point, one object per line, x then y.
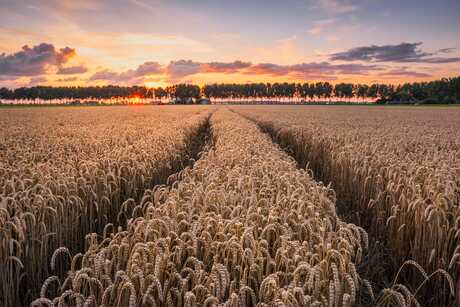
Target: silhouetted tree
{"type": "Point", "coordinates": [446, 90]}
{"type": "Point", "coordinates": [160, 93]}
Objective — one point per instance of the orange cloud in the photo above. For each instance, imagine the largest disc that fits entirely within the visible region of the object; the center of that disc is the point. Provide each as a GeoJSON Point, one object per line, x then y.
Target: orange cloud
{"type": "Point", "coordinates": [34, 61]}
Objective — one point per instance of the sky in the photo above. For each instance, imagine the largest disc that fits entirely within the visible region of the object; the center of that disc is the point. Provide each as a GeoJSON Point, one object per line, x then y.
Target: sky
{"type": "Point", "coordinates": [159, 43]}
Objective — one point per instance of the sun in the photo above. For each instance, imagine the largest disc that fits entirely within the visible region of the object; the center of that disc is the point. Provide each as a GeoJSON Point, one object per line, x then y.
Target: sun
{"type": "Point", "coordinates": [135, 99]}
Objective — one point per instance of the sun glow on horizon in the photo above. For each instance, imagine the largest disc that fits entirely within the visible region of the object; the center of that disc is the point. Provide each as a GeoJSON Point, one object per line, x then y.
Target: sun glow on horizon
{"type": "Point", "coordinates": [155, 84]}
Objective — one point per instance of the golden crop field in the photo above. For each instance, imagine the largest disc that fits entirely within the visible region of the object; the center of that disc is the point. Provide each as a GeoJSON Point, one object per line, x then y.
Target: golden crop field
{"type": "Point", "coordinates": [68, 173]}
{"type": "Point", "coordinates": [396, 172]}
{"type": "Point", "coordinates": [230, 206]}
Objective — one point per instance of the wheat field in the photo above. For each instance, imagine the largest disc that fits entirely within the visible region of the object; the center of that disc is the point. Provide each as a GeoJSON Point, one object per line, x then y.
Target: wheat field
{"type": "Point", "coordinates": [396, 172]}
{"type": "Point", "coordinates": [230, 206]}
{"type": "Point", "coordinates": [68, 177]}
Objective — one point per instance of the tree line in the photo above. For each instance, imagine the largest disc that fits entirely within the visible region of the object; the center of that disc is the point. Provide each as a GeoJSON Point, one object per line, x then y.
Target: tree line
{"type": "Point", "coordinates": [446, 90]}
{"type": "Point", "coordinates": [75, 92]}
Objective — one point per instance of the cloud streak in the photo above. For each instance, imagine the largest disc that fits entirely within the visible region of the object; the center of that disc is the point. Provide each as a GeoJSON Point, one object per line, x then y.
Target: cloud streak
{"type": "Point", "coordinates": [72, 70]}
{"type": "Point", "coordinates": [404, 72]}
{"type": "Point", "coordinates": [402, 53]}
{"type": "Point", "coordinates": [312, 70]}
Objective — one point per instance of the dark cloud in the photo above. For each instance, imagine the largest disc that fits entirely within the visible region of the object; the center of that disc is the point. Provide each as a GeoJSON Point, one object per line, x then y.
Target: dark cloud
{"type": "Point", "coordinates": [403, 53]}
{"type": "Point", "coordinates": [73, 70]}
{"type": "Point", "coordinates": [182, 68]}
{"type": "Point", "coordinates": [148, 68]}
{"type": "Point", "coordinates": [393, 53]}
{"type": "Point", "coordinates": [34, 61]}
{"type": "Point", "coordinates": [129, 76]}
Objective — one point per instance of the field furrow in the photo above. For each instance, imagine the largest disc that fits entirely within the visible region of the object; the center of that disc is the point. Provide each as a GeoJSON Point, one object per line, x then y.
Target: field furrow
{"type": "Point", "coordinates": [395, 173]}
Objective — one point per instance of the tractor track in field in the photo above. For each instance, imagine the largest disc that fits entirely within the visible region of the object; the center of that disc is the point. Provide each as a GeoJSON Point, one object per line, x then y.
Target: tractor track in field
{"type": "Point", "coordinates": [377, 266]}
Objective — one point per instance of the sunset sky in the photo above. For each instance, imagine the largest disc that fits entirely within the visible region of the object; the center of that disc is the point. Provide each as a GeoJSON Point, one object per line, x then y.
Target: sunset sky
{"type": "Point", "coordinates": [155, 42]}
